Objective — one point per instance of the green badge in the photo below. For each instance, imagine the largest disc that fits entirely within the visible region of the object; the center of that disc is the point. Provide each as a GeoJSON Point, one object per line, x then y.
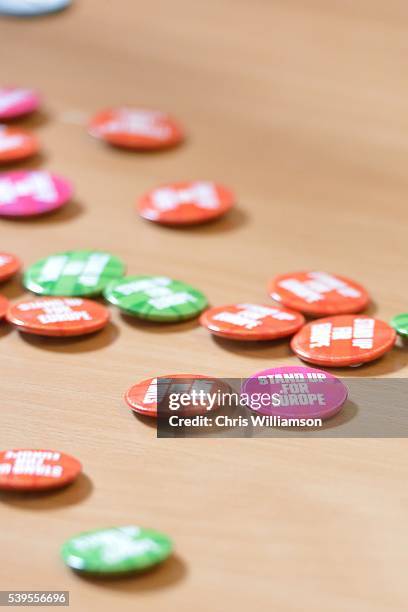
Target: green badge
{"type": "Point", "coordinates": [400, 324]}
{"type": "Point", "coordinates": [73, 273]}
{"type": "Point", "coordinates": [116, 550]}
{"type": "Point", "coordinates": [156, 298]}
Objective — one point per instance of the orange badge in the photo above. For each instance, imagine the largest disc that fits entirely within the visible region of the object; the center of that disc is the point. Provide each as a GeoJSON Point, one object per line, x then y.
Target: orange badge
{"type": "Point", "coordinates": [16, 144]}
{"type": "Point", "coordinates": [55, 316]}
{"type": "Point", "coordinates": [251, 322]}
{"type": "Point", "coordinates": [186, 203]}
{"type": "Point", "coordinates": [318, 293]}
{"type": "Point", "coordinates": [3, 306]}
{"type": "Point", "coordinates": [134, 128]}
{"type": "Point", "coordinates": [32, 470]}
{"type": "Point", "coordinates": [9, 265]}
{"type": "Point", "coordinates": [345, 340]}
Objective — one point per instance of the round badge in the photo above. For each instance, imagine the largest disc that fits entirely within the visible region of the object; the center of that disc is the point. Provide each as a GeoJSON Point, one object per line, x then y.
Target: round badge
{"type": "Point", "coordinates": [156, 298]}
{"type": "Point", "coordinates": [345, 340]}
{"type": "Point", "coordinates": [145, 397]}
{"type": "Point", "coordinates": [400, 324]}
{"type": "Point", "coordinates": [9, 265]}
{"type": "Point", "coordinates": [186, 203]}
{"type": "Point", "coordinates": [32, 8]}
{"type": "Point", "coordinates": [73, 273]}
{"type": "Point", "coordinates": [31, 470]}
{"type": "Point", "coordinates": [16, 101]}
{"type": "Point", "coordinates": [296, 392]}
{"type": "Point", "coordinates": [319, 293]}
{"type": "Point", "coordinates": [4, 304]}
{"type": "Point", "coordinates": [134, 128]}
{"type": "Point", "coordinates": [251, 322]}
{"type": "Point", "coordinates": [31, 193]}
{"type": "Point", "coordinates": [58, 316]}
{"type": "Point", "coordinates": [116, 550]}
{"type": "Point", "coordinates": [16, 144]}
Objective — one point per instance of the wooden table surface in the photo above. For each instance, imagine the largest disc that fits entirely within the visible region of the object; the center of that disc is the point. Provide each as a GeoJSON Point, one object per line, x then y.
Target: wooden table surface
{"type": "Point", "coordinates": [302, 107]}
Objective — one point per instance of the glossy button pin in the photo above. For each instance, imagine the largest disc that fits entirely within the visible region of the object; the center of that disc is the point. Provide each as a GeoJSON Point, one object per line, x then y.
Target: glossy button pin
{"type": "Point", "coordinates": [4, 304]}
{"type": "Point", "coordinates": [31, 193]}
{"type": "Point", "coordinates": [156, 298]}
{"type": "Point", "coordinates": [58, 316]}
{"type": "Point", "coordinates": [17, 101]}
{"type": "Point", "coordinates": [32, 470]}
{"type": "Point", "coordinates": [400, 324]}
{"type": "Point", "coordinates": [344, 340]}
{"type": "Point", "coordinates": [32, 8]}
{"type": "Point", "coordinates": [134, 128]}
{"type": "Point", "coordinates": [319, 293]}
{"type": "Point", "coordinates": [9, 265]}
{"type": "Point", "coordinates": [73, 273]}
{"type": "Point", "coordinates": [297, 392]}
{"type": "Point", "coordinates": [116, 550]}
{"type": "Point", "coordinates": [186, 203]}
{"type": "Point", "coordinates": [251, 322]}
{"type": "Point", "coordinates": [16, 144]}
{"type": "Point", "coordinates": [145, 396]}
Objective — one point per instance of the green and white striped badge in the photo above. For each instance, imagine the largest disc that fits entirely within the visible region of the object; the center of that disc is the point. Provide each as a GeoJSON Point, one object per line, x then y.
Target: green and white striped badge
{"type": "Point", "coordinates": [73, 273]}
{"type": "Point", "coordinates": [116, 550]}
{"type": "Point", "coordinates": [400, 324]}
{"type": "Point", "coordinates": [157, 298]}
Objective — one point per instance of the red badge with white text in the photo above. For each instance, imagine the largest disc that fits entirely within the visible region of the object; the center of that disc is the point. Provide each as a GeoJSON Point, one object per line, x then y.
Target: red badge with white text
{"type": "Point", "coordinates": [56, 316]}
{"type": "Point", "coordinates": [251, 322]}
{"type": "Point", "coordinates": [136, 128]}
{"type": "Point", "coordinates": [4, 304]}
{"type": "Point", "coordinates": [17, 101]}
{"type": "Point", "coordinates": [345, 340]}
{"type": "Point", "coordinates": [150, 397]}
{"type": "Point", "coordinates": [16, 144]}
{"type": "Point", "coordinates": [186, 203]}
{"type": "Point", "coordinates": [35, 470]}
{"type": "Point", "coordinates": [318, 293]}
{"type": "Point", "coordinates": [9, 265]}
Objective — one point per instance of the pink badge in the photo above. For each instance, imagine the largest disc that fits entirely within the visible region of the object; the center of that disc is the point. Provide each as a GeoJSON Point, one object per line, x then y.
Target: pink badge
{"type": "Point", "coordinates": [295, 392]}
{"type": "Point", "coordinates": [25, 194]}
{"type": "Point", "coordinates": [17, 101]}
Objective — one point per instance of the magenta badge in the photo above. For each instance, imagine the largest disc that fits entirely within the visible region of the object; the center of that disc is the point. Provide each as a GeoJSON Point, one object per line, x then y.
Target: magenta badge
{"type": "Point", "coordinates": [30, 193]}
{"type": "Point", "coordinates": [17, 101]}
{"type": "Point", "coordinates": [295, 392]}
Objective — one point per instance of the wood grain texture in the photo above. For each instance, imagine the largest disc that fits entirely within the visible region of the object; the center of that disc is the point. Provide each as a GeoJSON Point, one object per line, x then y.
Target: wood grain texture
{"type": "Point", "coordinates": [300, 106]}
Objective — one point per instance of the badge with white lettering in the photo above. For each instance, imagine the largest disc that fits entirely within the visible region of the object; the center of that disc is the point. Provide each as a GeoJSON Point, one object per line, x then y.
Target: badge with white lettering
{"type": "Point", "coordinates": [16, 144]}
{"type": "Point", "coordinates": [116, 550]}
{"type": "Point", "coordinates": [345, 340]}
{"type": "Point", "coordinates": [70, 316]}
{"type": "Point", "coordinates": [146, 396]}
{"type": "Point", "coordinates": [318, 293]}
{"type": "Point", "coordinates": [186, 203]}
{"type": "Point", "coordinates": [16, 101]}
{"type": "Point", "coordinates": [73, 273]}
{"type": "Point", "coordinates": [251, 322]}
{"type": "Point", "coordinates": [30, 193]}
{"type": "Point", "coordinates": [4, 304]}
{"type": "Point", "coordinates": [34, 470]}
{"type": "Point", "coordinates": [295, 392]}
{"type": "Point", "coordinates": [136, 128]}
{"type": "Point", "coordinates": [156, 298]}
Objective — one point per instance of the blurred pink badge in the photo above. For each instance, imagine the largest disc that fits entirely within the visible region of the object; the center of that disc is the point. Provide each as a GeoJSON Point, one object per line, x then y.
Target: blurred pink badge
{"type": "Point", "coordinates": [17, 101]}
{"type": "Point", "coordinates": [25, 194]}
{"type": "Point", "coordinates": [295, 392]}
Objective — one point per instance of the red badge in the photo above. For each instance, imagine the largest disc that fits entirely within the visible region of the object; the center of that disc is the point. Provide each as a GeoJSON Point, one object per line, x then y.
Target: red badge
{"type": "Point", "coordinates": [318, 293]}
{"type": "Point", "coordinates": [251, 322]}
{"type": "Point", "coordinates": [145, 396]}
{"type": "Point", "coordinates": [16, 144]}
{"type": "Point", "coordinates": [9, 265]}
{"type": "Point", "coordinates": [32, 470]}
{"type": "Point", "coordinates": [57, 316]}
{"type": "Point", "coordinates": [4, 303]}
{"type": "Point", "coordinates": [135, 128]}
{"type": "Point", "coordinates": [345, 340]}
{"type": "Point", "coordinates": [186, 203]}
